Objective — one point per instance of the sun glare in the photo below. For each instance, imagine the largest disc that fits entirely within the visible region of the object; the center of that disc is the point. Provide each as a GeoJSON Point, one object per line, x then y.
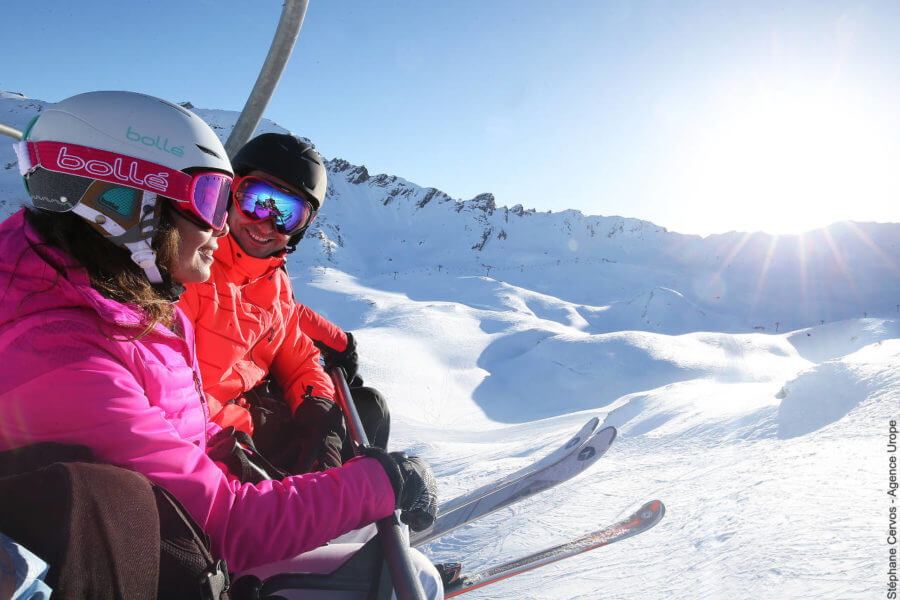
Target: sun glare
{"type": "Point", "coordinates": [786, 163]}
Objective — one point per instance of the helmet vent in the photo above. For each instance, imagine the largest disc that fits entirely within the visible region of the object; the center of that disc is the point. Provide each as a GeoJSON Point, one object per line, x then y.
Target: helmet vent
{"type": "Point", "coordinates": [208, 151]}
{"type": "Point", "coordinates": [120, 200]}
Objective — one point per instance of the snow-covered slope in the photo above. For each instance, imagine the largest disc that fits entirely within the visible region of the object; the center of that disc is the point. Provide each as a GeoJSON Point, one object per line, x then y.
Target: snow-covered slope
{"type": "Point", "coordinates": [768, 449]}
{"type": "Point", "coordinates": [751, 379]}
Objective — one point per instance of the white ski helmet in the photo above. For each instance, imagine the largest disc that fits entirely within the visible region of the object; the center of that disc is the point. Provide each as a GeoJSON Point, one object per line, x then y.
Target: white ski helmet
{"type": "Point", "coordinates": [107, 156]}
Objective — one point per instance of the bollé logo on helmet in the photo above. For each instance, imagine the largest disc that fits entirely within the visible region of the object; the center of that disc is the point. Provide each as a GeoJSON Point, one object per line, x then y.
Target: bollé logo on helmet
{"type": "Point", "coordinates": [147, 140]}
{"type": "Point", "coordinates": [117, 170]}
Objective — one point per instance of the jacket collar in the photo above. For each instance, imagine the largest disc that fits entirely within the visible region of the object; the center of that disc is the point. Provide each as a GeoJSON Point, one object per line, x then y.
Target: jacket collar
{"type": "Point", "coordinates": [38, 269]}
{"type": "Point", "coordinates": [240, 267]}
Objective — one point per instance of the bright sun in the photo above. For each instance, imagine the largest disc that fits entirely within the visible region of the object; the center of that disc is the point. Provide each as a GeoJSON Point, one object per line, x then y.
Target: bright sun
{"type": "Point", "coordinates": [786, 163]}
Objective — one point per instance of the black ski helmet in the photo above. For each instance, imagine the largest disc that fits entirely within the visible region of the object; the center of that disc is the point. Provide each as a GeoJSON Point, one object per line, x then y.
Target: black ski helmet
{"type": "Point", "coordinates": [290, 159]}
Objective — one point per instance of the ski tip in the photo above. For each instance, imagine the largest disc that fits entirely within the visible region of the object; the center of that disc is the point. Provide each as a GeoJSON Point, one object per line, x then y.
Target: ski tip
{"type": "Point", "coordinates": [608, 432]}
{"type": "Point", "coordinates": [653, 510]}
{"type": "Point", "coordinates": [597, 445]}
{"type": "Point", "coordinates": [615, 432]}
{"type": "Point", "coordinates": [584, 433]}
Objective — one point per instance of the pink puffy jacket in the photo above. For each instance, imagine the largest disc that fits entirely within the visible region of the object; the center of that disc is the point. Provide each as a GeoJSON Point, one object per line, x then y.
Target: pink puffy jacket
{"type": "Point", "coordinates": [68, 374]}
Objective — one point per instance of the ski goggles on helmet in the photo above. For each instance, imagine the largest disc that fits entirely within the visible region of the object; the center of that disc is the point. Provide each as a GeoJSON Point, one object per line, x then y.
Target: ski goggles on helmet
{"type": "Point", "coordinates": [257, 199]}
{"type": "Point", "coordinates": [203, 195]}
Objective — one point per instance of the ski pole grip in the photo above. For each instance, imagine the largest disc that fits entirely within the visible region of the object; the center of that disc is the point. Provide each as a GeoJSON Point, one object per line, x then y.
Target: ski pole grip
{"type": "Point", "coordinates": [403, 576]}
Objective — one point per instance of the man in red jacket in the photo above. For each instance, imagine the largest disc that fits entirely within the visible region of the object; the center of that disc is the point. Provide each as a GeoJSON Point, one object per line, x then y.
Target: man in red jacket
{"type": "Point", "coordinates": [257, 347]}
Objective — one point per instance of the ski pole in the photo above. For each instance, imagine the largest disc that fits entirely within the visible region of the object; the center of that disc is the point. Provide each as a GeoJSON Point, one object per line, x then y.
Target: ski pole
{"type": "Point", "coordinates": [286, 33]}
{"type": "Point", "coordinates": [406, 585]}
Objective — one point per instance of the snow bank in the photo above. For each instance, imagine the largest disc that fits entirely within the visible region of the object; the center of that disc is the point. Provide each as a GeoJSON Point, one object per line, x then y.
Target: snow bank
{"type": "Point", "coordinates": [828, 392]}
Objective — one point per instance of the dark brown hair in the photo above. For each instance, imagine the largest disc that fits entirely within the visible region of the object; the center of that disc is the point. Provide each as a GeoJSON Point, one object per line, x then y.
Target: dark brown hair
{"type": "Point", "coordinates": [110, 268]}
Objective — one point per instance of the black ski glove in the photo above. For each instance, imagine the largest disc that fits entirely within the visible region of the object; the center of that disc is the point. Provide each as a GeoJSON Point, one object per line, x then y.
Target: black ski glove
{"type": "Point", "coordinates": [319, 427]}
{"type": "Point", "coordinates": [347, 360]}
{"type": "Point", "coordinates": [414, 486]}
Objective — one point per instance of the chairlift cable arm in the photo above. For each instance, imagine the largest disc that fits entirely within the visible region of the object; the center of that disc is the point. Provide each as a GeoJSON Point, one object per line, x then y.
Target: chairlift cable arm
{"type": "Point", "coordinates": [286, 34]}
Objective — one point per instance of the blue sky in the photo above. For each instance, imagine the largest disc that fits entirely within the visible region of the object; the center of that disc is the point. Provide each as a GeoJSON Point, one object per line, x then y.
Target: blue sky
{"type": "Point", "coordinates": [699, 116]}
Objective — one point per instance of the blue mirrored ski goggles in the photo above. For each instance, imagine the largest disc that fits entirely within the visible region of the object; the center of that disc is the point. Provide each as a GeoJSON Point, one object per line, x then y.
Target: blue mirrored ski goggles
{"type": "Point", "coordinates": [258, 199]}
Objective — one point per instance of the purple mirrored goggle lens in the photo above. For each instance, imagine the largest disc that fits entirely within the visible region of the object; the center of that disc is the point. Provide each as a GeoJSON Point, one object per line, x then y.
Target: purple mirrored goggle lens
{"type": "Point", "coordinates": [260, 200]}
{"type": "Point", "coordinates": [209, 198]}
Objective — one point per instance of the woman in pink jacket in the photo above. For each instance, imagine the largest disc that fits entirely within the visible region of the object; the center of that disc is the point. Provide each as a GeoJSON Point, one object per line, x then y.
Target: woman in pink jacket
{"type": "Point", "coordinates": [131, 193]}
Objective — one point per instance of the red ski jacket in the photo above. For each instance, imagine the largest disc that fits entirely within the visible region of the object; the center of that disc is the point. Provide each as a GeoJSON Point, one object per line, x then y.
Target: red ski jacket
{"type": "Point", "coordinates": [247, 326]}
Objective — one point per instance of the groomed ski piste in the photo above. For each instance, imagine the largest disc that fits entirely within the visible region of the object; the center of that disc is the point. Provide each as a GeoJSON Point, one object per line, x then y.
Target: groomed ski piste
{"type": "Point", "coordinates": [751, 383]}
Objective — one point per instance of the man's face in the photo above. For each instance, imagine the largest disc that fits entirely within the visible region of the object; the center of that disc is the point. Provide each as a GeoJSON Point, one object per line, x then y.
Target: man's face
{"type": "Point", "coordinates": [259, 239]}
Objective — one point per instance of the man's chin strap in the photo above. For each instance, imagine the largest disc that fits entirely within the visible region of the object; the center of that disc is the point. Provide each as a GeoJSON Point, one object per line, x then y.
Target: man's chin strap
{"type": "Point", "coordinates": [135, 239]}
{"type": "Point", "coordinates": [295, 238]}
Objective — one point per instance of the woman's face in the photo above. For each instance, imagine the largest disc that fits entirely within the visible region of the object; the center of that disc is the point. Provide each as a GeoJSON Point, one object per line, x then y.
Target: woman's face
{"type": "Point", "coordinates": [195, 250]}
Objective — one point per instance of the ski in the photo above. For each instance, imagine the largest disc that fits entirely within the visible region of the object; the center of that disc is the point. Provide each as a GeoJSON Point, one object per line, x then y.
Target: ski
{"type": "Point", "coordinates": [643, 519]}
{"type": "Point", "coordinates": [554, 457]}
{"type": "Point", "coordinates": [577, 460]}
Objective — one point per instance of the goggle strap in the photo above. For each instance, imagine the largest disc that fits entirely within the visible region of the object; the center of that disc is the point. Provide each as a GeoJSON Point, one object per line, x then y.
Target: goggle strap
{"type": "Point", "coordinates": [110, 167]}
{"type": "Point", "coordinates": [114, 168]}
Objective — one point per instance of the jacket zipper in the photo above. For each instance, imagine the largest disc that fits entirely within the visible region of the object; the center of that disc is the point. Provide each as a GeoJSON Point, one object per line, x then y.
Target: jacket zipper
{"type": "Point", "coordinates": [200, 393]}
{"type": "Point", "coordinates": [268, 336]}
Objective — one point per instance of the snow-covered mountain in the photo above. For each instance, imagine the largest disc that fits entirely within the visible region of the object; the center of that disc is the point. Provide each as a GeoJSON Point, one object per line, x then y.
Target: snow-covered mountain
{"type": "Point", "coordinates": [752, 379]}
{"type": "Point", "coordinates": [653, 279]}
{"type": "Point", "coordinates": [632, 273]}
